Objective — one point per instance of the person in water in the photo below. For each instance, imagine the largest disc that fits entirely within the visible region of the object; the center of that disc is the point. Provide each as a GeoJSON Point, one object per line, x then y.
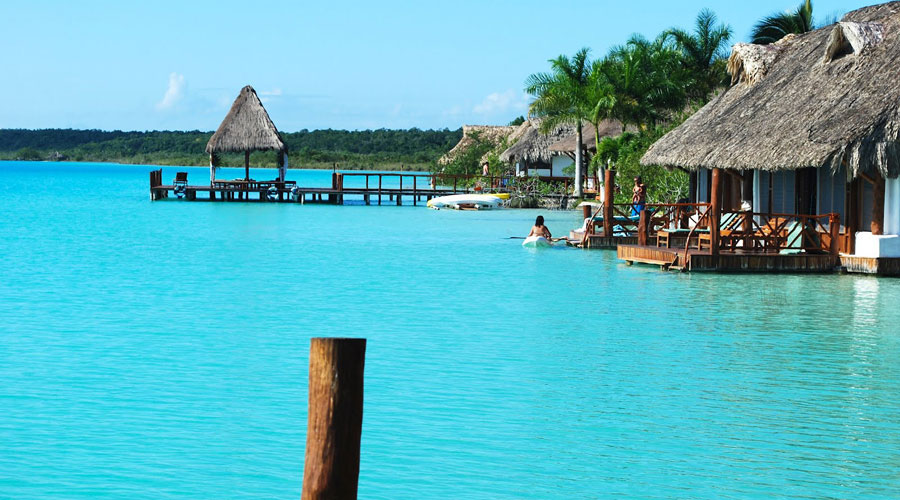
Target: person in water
{"type": "Point", "coordinates": [638, 196]}
{"type": "Point", "coordinates": [539, 229]}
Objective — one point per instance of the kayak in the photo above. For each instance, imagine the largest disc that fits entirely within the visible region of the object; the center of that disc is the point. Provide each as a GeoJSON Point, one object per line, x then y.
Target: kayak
{"type": "Point", "coordinates": [537, 242]}
{"type": "Point", "coordinates": [466, 202]}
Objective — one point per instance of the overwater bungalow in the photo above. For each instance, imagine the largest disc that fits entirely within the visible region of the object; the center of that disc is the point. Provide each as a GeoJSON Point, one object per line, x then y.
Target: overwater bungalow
{"type": "Point", "coordinates": [795, 166]}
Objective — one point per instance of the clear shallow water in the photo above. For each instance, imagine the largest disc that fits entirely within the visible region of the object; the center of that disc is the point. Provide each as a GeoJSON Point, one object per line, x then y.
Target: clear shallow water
{"type": "Point", "coordinates": [160, 350]}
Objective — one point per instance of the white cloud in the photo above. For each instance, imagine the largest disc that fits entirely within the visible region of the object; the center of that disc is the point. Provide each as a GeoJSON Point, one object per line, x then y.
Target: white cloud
{"type": "Point", "coordinates": [267, 95]}
{"type": "Point", "coordinates": [502, 102]}
{"type": "Point", "coordinates": [174, 93]}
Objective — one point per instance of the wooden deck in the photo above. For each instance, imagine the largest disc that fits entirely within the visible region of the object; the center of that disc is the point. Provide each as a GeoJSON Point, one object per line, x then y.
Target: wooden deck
{"type": "Point", "coordinates": [414, 188]}
{"type": "Point", "coordinates": [703, 260]}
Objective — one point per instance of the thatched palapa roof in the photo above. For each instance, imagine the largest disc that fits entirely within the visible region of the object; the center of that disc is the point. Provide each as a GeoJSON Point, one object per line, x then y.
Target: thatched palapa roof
{"type": "Point", "coordinates": [492, 133]}
{"type": "Point", "coordinates": [607, 128]}
{"type": "Point", "coordinates": [247, 127]}
{"type": "Point", "coordinates": [534, 147]}
{"type": "Point", "coordinates": [821, 99]}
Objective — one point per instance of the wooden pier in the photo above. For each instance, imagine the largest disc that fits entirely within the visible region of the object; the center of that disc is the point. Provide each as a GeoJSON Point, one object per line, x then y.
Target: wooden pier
{"type": "Point", "coordinates": [366, 188]}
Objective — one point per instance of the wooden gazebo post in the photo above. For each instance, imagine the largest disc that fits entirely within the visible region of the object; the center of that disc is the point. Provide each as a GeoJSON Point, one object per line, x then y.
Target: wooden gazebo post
{"type": "Point", "coordinates": [246, 165]}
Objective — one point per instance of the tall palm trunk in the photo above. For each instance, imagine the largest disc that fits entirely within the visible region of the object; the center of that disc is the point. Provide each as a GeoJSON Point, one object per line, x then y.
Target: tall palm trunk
{"type": "Point", "coordinates": [579, 170]}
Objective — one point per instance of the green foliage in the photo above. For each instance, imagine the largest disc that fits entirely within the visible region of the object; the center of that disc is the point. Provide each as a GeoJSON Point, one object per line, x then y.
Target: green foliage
{"type": "Point", "coordinates": [625, 152]}
{"type": "Point", "coordinates": [29, 154]}
{"type": "Point", "coordinates": [518, 121]}
{"type": "Point", "coordinates": [644, 84]}
{"type": "Point", "coordinates": [703, 54]}
{"type": "Point", "coordinates": [563, 96]}
{"type": "Point", "coordinates": [373, 149]}
{"type": "Point", "coordinates": [774, 27]}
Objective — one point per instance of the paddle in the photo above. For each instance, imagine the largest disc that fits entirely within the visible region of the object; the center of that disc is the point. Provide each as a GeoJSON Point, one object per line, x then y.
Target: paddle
{"type": "Point", "coordinates": [525, 237]}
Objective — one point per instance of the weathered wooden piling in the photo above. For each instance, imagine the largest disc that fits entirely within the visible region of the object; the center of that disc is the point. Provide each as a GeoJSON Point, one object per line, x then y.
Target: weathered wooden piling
{"type": "Point", "coordinates": [334, 427]}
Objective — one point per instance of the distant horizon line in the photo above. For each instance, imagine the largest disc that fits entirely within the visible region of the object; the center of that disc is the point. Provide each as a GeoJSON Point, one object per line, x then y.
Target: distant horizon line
{"type": "Point", "coordinates": [213, 131]}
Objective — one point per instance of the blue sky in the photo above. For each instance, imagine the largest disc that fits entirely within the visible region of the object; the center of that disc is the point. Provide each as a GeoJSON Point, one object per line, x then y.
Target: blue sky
{"type": "Point", "coordinates": [152, 65]}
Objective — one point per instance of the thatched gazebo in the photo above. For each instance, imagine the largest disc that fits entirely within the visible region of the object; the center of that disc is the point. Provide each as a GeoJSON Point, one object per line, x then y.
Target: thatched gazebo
{"type": "Point", "coordinates": [531, 149]}
{"type": "Point", "coordinates": [810, 124]}
{"type": "Point", "coordinates": [567, 145]}
{"type": "Point", "coordinates": [246, 128]}
{"type": "Point", "coordinates": [495, 134]}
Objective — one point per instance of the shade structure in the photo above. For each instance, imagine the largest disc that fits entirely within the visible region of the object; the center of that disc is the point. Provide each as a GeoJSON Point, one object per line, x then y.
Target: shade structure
{"type": "Point", "coordinates": [247, 128]}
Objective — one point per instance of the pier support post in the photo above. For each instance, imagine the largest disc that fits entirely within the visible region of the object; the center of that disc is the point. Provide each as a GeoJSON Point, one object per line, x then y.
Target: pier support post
{"type": "Point", "coordinates": [334, 427]}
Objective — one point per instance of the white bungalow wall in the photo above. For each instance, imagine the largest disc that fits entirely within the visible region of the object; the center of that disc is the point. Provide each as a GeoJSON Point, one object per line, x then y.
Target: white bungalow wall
{"type": "Point", "coordinates": [892, 206]}
{"type": "Point", "coordinates": [558, 164]}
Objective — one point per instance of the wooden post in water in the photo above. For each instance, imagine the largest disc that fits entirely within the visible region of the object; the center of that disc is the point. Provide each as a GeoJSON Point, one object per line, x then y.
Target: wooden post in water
{"type": "Point", "coordinates": [334, 427]}
{"type": "Point", "coordinates": [715, 211]}
{"type": "Point", "coordinates": [609, 178]}
{"type": "Point", "coordinates": [585, 211]}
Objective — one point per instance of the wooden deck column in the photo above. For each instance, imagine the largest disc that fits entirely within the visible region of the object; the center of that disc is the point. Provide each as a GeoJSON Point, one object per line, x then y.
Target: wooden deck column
{"type": "Point", "coordinates": [247, 167]}
{"type": "Point", "coordinates": [609, 178]}
{"type": "Point", "coordinates": [334, 428]}
{"type": "Point", "coordinates": [715, 210]}
{"type": "Point", "coordinates": [834, 228]}
{"type": "Point", "coordinates": [643, 229]}
{"type": "Point", "coordinates": [877, 204]}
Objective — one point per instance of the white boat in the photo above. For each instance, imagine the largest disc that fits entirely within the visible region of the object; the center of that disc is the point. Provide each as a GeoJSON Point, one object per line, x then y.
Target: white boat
{"type": "Point", "coordinates": [466, 202]}
{"type": "Point", "coordinates": [537, 242]}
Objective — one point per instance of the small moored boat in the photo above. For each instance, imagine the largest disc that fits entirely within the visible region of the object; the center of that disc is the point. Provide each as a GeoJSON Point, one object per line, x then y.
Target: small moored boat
{"type": "Point", "coordinates": [466, 202]}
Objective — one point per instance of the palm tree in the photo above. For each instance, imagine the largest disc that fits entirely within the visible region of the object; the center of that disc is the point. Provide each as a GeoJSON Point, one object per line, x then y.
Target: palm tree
{"type": "Point", "coordinates": [772, 28]}
{"type": "Point", "coordinates": [639, 83]}
{"type": "Point", "coordinates": [561, 97]}
{"type": "Point", "coordinates": [703, 53]}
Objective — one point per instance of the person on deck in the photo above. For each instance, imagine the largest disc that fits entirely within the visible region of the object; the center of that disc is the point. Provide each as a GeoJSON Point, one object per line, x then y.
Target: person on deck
{"type": "Point", "coordinates": [638, 196]}
{"type": "Point", "coordinates": [485, 169]}
{"type": "Point", "coordinates": [539, 229]}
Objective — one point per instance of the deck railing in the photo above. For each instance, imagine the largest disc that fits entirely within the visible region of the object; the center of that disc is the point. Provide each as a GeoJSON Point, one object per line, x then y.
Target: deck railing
{"type": "Point", "coordinates": [626, 220]}
{"type": "Point", "coordinates": [779, 233]}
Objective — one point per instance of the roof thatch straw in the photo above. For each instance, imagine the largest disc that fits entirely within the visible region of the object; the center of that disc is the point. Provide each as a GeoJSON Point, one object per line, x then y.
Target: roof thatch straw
{"type": "Point", "coordinates": [607, 128]}
{"type": "Point", "coordinates": [247, 127]}
{"type": "Point", "coordinates": [491, 133]}
{"type": "Point", "coordinates": [822, 99]}
{"type": "Point", "coordinates": [534, 147]}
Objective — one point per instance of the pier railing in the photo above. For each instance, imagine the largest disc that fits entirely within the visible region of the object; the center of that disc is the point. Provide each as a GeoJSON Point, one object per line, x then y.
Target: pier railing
{"type": "Point", "coordinates": [456, 182]}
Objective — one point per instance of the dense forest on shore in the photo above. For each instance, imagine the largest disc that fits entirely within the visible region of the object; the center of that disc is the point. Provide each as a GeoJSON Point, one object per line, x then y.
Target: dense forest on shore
{"type": "Point", "coordinates": [413, 149]}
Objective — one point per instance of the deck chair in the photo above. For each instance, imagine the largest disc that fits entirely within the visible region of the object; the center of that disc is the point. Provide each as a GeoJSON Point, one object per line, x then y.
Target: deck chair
{"type": "Point", "coordinates": [180, 179]}
{"type": "Point", "coordinates": [728, 224]}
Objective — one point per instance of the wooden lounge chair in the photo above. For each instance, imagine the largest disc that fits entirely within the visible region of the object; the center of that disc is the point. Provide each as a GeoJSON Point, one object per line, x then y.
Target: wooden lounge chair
{"type": "Point", "coordinates": [728, 223]}
{"type": "Point", "coordinates": [180, 179]}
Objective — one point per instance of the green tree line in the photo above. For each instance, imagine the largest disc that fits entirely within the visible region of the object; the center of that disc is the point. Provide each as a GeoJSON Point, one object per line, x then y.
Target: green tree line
{"type": "Point", "coordinates": [383, 148]}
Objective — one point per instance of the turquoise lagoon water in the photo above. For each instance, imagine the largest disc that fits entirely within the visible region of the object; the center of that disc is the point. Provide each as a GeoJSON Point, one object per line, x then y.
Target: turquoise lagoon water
{"type": "Point", "coordinates": [160, 350]}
